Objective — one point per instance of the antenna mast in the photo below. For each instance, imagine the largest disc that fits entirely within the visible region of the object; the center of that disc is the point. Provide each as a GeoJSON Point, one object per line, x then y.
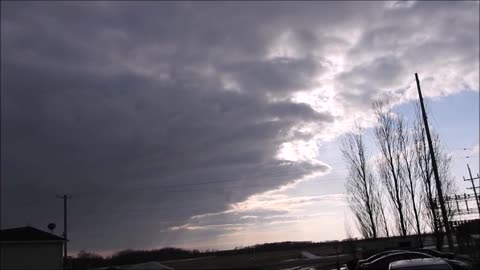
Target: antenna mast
{"type": "Point", "coordinates": [64, 197]}
{"type": "Point", "coordinates": [441, 200]}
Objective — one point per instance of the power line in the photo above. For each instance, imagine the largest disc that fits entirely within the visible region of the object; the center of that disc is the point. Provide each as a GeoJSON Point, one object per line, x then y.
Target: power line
{"type": "Point", "coordinates": [463, 157]}
{"type": "Point", "coordinates": [473, 185]}
{"type": "Point", "coordinates": [438, 127]}
{"type": "Point", "coordinates": [279, 174]}
{"type": "Point", "coordinates": [199, 207]}
{"type": "Point", "coordinates": [450, 149]}
{"type": "Point", "coordinates": [240, 186]}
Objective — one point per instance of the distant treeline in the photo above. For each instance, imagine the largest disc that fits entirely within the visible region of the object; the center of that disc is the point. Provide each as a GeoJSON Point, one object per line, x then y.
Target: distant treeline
{"type": "Point", "coordinates": [89, 260]}
{"type": "Point", "coordinates": [271, 247]}
{"type": "Point", "coordinates": [86, 260]}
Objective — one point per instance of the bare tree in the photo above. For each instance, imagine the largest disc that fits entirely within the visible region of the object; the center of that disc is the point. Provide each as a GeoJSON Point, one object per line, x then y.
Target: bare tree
{"type": "Point", "coordinates": [408, 165]}
{"type": "Point", "coordinates": [390, 164]}
{"type": "Point", "coordinates": [383, 217]}
{"type": "Point", "coordinates": [424, 171]}
{"type": "Point", "coordinates": [361, 186]}
{"type": "Point", "coordinates": [348, 229]}
{"type": "Point", "coordinates": [444, 164]}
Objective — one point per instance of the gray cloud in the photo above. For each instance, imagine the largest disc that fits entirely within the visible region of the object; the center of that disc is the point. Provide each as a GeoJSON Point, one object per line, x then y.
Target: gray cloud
{"type": "Point", "coordinates": [278, 75]}
{"type": "Point", "coordinates": [128, 146]}
{"type": "Point", "coordinates": [367, 82]}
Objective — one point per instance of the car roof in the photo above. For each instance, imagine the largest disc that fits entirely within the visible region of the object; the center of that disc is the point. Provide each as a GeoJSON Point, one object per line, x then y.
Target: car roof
{"type": "Point", "coordinates": [385, 252]}
{"type": "Point", "coordinates": [433, 251]}
{"type": "Point", "coordinates": [438, 253]}
{"type": "Point", "coordinates": [401, 252]}
{"type": "Point", "coordinates": [432, 263]}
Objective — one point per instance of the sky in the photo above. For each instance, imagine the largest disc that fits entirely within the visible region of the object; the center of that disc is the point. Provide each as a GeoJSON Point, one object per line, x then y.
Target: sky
{"type": "Point", "coordinates": [216, 124]}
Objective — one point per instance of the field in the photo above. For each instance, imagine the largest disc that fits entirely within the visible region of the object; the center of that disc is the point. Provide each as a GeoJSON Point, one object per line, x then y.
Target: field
{"type": "Point", "coordinates": [261, 260]}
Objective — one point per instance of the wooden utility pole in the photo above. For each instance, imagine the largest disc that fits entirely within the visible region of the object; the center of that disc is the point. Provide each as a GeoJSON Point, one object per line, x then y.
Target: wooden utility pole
{"type": "Point", "coordinates": [473, 187]}
{"type": "Point", "coordinates": [446, 224]}
{"type": "Point", "coordinates": [64, 197]}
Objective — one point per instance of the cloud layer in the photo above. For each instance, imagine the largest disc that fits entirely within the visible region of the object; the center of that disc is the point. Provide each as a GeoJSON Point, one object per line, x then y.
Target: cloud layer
{"type": "Point", "coordinates": [150, 113]}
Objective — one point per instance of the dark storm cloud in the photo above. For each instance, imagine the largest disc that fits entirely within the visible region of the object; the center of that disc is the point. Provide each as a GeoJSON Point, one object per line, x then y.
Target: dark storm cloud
{"type": "Point", "coordinates": [80, 115]}
{"type": "Point", "coordinates": [118, 143]}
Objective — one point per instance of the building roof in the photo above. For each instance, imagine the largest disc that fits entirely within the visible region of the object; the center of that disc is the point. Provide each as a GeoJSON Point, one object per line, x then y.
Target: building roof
{"type": "Point", "coordinates": [27, 234]}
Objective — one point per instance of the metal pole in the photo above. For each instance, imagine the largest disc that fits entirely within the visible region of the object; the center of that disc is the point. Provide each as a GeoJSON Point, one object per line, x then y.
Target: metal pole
{"type": "Point", "coordinates": [65, 224]}
{"type": "Point", "coordinates": [64, 197]}
{"type": "Point", "coordinates": [466, 202]}
{"type": "Point", "coordinates": [474, 189]}
{"type": "Point", "coordinates": [435, 170]}
{"type": "Point", "coordinates": [456, 200]}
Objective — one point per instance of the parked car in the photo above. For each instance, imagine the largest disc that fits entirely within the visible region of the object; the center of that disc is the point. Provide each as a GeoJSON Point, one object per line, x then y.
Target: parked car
{"type": "Point", "coordinates": [420, 264]}
{"type": "Point", "coordinates": [458, 264]}
{"type": "Point", "coordinates": [382, 263]}
{"type": "Point", "coordinates": [446, 255]}
{"type": "Point", "coordinates": [375, 256]}
{"type": "Point", "coordinates": [436, 253]}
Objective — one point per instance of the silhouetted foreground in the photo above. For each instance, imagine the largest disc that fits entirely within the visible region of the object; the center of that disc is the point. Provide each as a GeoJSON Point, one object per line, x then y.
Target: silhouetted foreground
{"type": "Point", "coordinates": [30, 248]}
{"type": "Point", "coordinates": [92, 260]}
{"type": "Point", "coordinates": [283, 255]}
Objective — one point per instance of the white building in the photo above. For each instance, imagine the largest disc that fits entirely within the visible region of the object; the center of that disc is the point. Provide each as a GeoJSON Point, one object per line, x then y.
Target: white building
{"type": "Point", "coordinates": [30, 248]}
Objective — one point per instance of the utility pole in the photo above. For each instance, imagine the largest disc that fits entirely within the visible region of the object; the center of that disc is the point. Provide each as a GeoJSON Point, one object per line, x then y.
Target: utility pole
{"type": "Point", "coordinates": [64, 197]}
{"type": "Point", "coordinates": [473, 187]}
{"type": "Point", "coordinates": [446, 224]}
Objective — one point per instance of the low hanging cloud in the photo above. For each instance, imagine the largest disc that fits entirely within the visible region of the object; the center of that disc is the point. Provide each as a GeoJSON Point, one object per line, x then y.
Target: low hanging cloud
{"type": "Point", "coordinates": [266, 208]}
{"type": "Point", "coordinates": [154, 114]}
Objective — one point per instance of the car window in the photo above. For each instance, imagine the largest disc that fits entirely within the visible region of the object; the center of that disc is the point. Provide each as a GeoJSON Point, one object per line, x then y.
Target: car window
{"type": "Point", "coordinates": [394, 257]}
{"type": "Point", "coordinates": [425, 267]}
{"type": "Point", "coordinates": [378, 255]}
